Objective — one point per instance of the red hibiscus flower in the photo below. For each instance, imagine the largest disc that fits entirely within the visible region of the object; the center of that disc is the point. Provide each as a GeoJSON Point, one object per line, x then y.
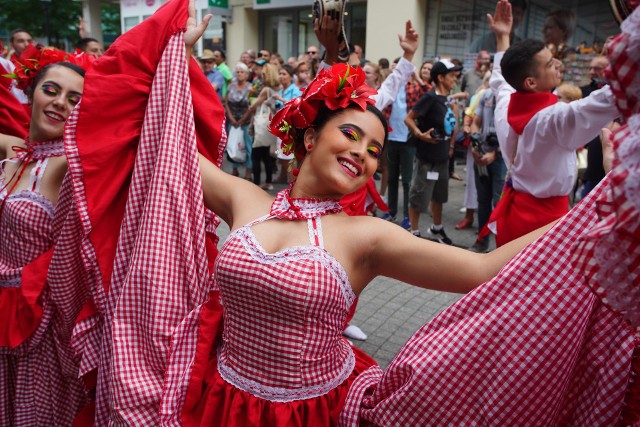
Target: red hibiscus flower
{"type": "Point", "coordinates": [337, 87]}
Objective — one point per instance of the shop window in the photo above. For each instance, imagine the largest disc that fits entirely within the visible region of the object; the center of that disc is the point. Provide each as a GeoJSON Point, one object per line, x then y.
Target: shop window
{"type": "Point", "coordinates": [213, 37]}
{"type": "Point", "coordinates": [130, 22]}
{"type": "Point", "coordinates": [278, 34]}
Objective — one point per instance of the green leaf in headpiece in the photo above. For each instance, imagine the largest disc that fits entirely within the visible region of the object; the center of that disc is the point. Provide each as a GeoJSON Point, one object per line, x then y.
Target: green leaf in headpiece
{"type": "Point", "coordinates": [285, 128]}
{"type": "Point", "coordinates": [343, 80]}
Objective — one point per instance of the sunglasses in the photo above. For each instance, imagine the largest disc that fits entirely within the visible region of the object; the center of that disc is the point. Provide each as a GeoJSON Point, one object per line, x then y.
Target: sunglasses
{"type": "Point", "coordinates": [312, 52]}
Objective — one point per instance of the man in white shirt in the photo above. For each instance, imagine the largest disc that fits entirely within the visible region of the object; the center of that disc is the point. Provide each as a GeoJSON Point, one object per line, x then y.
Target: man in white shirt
{"type": "Point", "coordinates": [538, 135]}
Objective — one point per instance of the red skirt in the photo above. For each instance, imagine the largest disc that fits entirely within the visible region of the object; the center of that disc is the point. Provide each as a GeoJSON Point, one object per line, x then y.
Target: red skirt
{"type": "Point", "coordinates": [222, 404]}
{"type": "Point", "coordinates": [520, 213]}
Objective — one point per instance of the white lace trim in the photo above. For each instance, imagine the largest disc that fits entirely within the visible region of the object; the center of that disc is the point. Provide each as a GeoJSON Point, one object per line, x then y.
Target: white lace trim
{"type": "Point", "coordinates": [37, 172]}
{"type": "Point", "coordinates": [278, 394]}
{"type": "Point", "coordinates": [42, 149]}
{"type": "Point", "coordinates": [30, 196]}
{"type": "Point", "coordinates": [309, 207]}
{"type": "Point", "coordinates": [314, 253]}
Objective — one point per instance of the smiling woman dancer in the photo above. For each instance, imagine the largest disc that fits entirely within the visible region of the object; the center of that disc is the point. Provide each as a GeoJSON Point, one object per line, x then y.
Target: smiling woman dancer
{"type": "Point", "coordinates": [32, 385]}
{"type": "Point", "coordinates": [293, 265]}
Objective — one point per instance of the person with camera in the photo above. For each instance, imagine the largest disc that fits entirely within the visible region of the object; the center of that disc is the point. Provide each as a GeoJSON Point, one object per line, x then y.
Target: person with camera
{"type": "Point", "coordinates": [432, 123]}
{"type": "Point", "coordinates": [489, 167]}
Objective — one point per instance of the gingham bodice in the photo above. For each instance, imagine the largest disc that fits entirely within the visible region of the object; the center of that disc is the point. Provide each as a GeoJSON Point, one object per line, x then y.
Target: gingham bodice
{"type": "Point", "coordinates": [26, 217]}
{"type": "Point", "coordinates": [284, 314]}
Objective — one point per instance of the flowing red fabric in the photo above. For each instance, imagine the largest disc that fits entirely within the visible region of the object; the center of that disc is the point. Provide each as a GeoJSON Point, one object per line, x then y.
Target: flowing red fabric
{"type": "Point", "coordinates": [21, 307]}
{"type": "Point", "coordinates": [115, 108]}
{"type": "Point", "coordinates": [14, 119]}
{"type": "Point", "coordinates": [121, 81]}
{"type": "Point", "coordinates": [518, 213]}
{"type": "Point", "coordinates": [524, 105]}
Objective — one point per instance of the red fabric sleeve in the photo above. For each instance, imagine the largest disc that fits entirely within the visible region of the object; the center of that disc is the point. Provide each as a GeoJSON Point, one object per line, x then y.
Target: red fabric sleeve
{"type": "Point", "coordinates": [109, 129]}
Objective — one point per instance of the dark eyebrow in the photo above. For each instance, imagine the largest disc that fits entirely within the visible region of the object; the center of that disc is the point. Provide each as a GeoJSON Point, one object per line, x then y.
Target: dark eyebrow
{"type": "Point", "coordinates": [361, 132]}
{"type": "Point", "coordinates": [51, 83]}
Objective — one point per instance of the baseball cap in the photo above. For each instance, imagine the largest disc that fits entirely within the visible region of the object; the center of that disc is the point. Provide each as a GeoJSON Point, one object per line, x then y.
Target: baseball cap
{"type": "Point", "coordinates": [260, 62]}
{"type": "Point", "coordinates": [443, 66]}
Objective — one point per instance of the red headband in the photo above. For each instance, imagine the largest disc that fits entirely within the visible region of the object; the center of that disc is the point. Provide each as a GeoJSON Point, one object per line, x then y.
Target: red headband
{"type": "Point", "coordinates": [34, 59]}
{"type": "Point", "coordinates": [337, 87]}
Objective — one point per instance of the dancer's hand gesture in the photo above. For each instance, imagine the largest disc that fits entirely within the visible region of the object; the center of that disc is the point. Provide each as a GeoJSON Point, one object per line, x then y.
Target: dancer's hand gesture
{"type": "Point", "coordinates": [194, 31]}
{"type": "Point", "coordinates": [502, 19]}
{"type": "Point", "coordinates": [409, 43]}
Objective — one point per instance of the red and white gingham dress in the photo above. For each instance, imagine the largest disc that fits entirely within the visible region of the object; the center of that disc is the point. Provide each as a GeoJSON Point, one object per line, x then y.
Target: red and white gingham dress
{"type": "Point", "coordinates": [282, 359]}
{"type": "Point", "coordinates": [33, 387]}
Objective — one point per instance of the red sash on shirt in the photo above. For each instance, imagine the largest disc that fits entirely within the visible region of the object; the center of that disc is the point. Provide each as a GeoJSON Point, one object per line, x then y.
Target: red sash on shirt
{"type": "Point", "coordinates": [524, 105]}
{"type": "Point", "coordinates": [519, 213]}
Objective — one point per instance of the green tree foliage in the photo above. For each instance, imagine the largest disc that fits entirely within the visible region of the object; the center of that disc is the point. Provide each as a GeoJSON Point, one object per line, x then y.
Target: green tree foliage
{"type": "Point", "coordinates": [30, 15]}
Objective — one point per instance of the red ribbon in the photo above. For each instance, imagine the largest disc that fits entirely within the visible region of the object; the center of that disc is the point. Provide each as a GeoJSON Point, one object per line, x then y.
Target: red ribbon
{"type": "Point", "coordinates": [26, 159]}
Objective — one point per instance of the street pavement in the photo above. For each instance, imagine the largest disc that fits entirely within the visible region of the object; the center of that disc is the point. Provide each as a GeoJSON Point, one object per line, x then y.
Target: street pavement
{"type": "Point", "coordinates": [390, 311]}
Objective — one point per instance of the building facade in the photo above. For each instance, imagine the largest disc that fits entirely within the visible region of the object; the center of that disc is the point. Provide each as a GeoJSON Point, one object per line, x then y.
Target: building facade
{"type": "Point", "coordinates": [446, 27]}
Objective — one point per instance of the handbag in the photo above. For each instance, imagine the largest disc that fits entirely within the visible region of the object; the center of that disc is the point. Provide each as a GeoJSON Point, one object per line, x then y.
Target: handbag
{"type": "Point", "coordinates": [261, 135]}
{"type": "Point", "coordinates": [236, 150]}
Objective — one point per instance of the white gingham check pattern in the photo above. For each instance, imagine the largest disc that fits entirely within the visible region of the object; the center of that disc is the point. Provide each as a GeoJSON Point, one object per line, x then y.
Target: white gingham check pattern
{"type": "Point", "coordinates": [533, 346]}
{"type": "Point", "coordinates": [283, 317]}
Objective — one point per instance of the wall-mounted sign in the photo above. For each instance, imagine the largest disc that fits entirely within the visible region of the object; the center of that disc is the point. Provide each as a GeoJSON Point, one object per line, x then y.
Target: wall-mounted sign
{"type": "Point", "coordinates": [220, 8]}
{"type": "Point", "coordinates": [219, 3]}
{"type": "Point", "coordinates": [279, 4]}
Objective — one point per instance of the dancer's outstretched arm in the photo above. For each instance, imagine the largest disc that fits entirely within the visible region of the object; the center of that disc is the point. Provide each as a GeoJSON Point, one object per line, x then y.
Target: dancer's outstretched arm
{"type": "Point", "coordinates": [393, 252]}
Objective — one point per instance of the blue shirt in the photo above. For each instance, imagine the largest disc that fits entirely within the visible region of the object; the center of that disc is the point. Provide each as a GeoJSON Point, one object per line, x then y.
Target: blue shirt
{"type": "Point", "coordinates": [217, 78]}
{"type": "Point", "coordinates": [288, 94]}
{"type": "Point", "coordinates": [399, 130]}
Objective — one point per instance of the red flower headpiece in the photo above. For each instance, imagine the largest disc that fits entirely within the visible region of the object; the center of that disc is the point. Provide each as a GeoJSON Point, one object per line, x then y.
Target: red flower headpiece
{"type": "Point", "coordinates": [35, 58]}
{"type": "Point", "coordinates": [337, 87]}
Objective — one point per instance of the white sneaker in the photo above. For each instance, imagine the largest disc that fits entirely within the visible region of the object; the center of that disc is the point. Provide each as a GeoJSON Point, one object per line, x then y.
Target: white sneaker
{"type": "Point", "coordinates": [353, 332]}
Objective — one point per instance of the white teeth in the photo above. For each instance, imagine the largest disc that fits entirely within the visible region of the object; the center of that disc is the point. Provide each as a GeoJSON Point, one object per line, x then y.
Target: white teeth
{"type": "Point", "coordinates": [349, 166]}
{"type": "Point", "coordinates": [54, 116]}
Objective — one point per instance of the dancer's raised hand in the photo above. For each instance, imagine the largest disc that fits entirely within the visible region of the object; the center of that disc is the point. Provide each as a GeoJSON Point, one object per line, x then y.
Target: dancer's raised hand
{"type": "Point", "coordinates": [193, 30]}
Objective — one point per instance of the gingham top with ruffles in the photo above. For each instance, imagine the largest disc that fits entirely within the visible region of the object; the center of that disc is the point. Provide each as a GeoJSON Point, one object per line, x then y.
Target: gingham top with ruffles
{"type": "Point", "coordinates": [284, 314]}
{"type": "Point", "coordinates": [26, 218]}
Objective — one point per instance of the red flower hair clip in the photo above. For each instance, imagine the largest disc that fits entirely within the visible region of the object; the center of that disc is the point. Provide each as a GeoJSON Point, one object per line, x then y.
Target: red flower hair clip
{"type": "Point", "coordinates": [337, 87]}
{"type": "Point", "coordinates": [35, 58]}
